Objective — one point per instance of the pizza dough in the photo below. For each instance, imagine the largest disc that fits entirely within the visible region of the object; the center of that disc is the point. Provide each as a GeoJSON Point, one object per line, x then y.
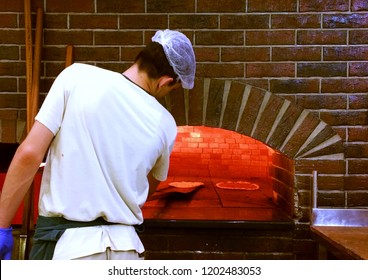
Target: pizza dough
{"type": "Point", "coordinates": [186, 185]}
{"type": "Point", "coordinates": [238, 185]}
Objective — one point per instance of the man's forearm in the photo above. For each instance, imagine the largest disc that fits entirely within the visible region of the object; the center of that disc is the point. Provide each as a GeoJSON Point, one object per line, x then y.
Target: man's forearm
{"type": "Point", "coordinates": [17, 182]}
{"type": "Point", "coordinates": [22, 169]}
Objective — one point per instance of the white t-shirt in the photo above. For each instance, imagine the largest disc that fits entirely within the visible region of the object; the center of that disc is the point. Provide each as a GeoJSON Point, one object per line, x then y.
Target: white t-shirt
{"type": "Point", "coordinates": [109, 134]}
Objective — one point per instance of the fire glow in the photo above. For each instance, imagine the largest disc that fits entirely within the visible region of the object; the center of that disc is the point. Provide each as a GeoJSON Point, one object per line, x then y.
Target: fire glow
{"type": "Point", "coordinates": [213, 152]}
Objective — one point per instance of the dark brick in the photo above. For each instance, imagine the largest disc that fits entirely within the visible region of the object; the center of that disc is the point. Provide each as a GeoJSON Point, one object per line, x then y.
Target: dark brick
{"type": "Point", "coordinates": [8, 115]}
{"type": "Point", "coordinates": [143, 21]}
{"type": "Point", "coordinates": [53, 69]}
{"type": "Point", "coordinates": [296, 54]}
{"type": "Point", "coordinates": [129, 53]}
{"type": "Point", "coordinates": [93, 21]}
{"type": "Point", "coordinates": [233, 104]}
{"type": "Point", "coordinates": [12, 101]}
{"type": "Point", "coordinates": [245, 54]}
{"type": "Point", "coordinates": [68, 37]}
{"type": "Point", "coordinates": [358, 37]}
{"type": "Point", "coordinates": [8, 21]}
{"type": "Point", "coordinates": [318, 102]}
{"type": "Point", "coordinates": [70, 6]}
{"type": "Point", "coordinates": [358, 166]}
{"type": "Point", "coordinates": [220, 6]}
{"type": "Point", "coordinates": [270, 70]}
{"type": "Point", "coordinates": [345, 20]}
{"type": "Point", "coordinates": [97, 54]}
{"type": "Point", "coordinates": [260, 83]}
{"type": "Point", "coordinates": [250, 111]}
{"type": "Point", "coordinates": [356, 150]}
{"type": "Point", "coordinates": [332, 183]}
{"type": "Point", "coordinates": [220, 70]}
{"type": "Point", "coordinates": [55, 53]}
{"type": "Point", "coordinates": [331, 199]}
{"type": "Point", "coordinates": [13, 68]}
{"type": "Point", "coordinates": [322, 166]}
{"type": "Point", "coordinates": [12, 6]}
{"type": "Point", "coordinates": [283, 37]}
{"type": "Point", "coordinates": [285, 125]}
{"type": "Point", "coordinates": [9, 52]}
{"type": "Point", "coordinates": [214, 103]}
{"type": "Point", "coordinates": [118, 38]}
{"type": "Point", "coordinates": [9, 131]}
{"type": "Point", "coordinates": [358, 134]}
{"type": "Point", "coordinates": [359, 69]}
{"type": "Point", "coordinates": [167, 6]}
{"type": "Point", "coordinates": [358, 101]}
{"type": "Point", "coordinates": [45, 85]}
{"type": "Point", "coordinates": [195, 110]}
{"type": "Point", "coordinates": [272, 6]}
{"type": "Point", "coordinates": [267, 118]}
{"type": "Point", "coordinates": [297, 140]}
{"type": "Point", "coordinates": [345, 117]}
{"type": "Point", "coordinates": [116, 6]}
{"type": "Point", "coordinates": [296, 21]}
{"type": "Point", "coordinates": [207, 54]}
{"type": "Point", "coordinates": [357, 199]}
{"type": "Point", "coordinates": [359, 5]}
{"type": "Point", "coordinates": [358, 182]}
{"type": "Point", "coordinates": [322, 37]}
{"type": "Point", "coordinates": [344, 85]}
{"type": "Point", "coordinates": [326, 150]}
{"type": "Point", "coordinates": [244, 22]}
{"type": "Point", "coordinates": [219, 38]}
{"type": "Point", "coordinates": [14, 37]}
{"type": "Point", "coordinates": [193, 21]}
{"type": "Point", "coordinates": [345, 53]}
{"type": "Point", "coordinates": [322, 69]}
{"type": "Point", "coordinates": [323, 6]}
{"type": "Point", "coordinates": [55, 21]}
{"type": "Point", "coordinates": [294, 86]}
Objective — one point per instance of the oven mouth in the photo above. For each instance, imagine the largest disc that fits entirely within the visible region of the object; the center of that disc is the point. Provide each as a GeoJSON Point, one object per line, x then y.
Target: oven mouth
{"type": "Point", "coordinates": [238, 176]}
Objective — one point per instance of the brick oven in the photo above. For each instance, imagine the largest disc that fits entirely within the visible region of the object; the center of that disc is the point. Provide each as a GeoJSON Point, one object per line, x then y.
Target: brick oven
{"type": "Point", "coordinates": [288, 143]}
{"type": "Point", "coordinates": [303, 61]}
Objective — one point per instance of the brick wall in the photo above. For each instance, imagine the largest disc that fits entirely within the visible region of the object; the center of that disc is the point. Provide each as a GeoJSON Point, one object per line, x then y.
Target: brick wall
{"type": "Point", "coordinates": [307, 51]}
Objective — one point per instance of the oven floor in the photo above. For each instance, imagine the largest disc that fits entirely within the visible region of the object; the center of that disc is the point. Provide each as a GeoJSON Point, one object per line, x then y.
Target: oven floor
{"type": "Point", "coordinates": [211, 203]}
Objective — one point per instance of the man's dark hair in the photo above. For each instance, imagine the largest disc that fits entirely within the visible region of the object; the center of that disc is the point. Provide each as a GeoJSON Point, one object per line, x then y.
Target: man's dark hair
{"type": "Point", "coordinates": [153, 61]}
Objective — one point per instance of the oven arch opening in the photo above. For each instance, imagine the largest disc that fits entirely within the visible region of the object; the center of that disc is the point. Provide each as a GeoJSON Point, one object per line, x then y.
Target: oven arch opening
{"type": "Point", "coordinates": [239, 175]}
{"type": "Point", "coordinates": [299, 137]}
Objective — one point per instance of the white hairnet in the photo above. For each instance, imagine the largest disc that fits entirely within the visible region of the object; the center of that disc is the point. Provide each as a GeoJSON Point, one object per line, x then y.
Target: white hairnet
{"type": "Point", "coordinates": [179, 53]}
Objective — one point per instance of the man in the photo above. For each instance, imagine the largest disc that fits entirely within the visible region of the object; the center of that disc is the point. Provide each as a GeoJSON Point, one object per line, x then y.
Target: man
{"type": "Point", "coordinates": [108, 141]}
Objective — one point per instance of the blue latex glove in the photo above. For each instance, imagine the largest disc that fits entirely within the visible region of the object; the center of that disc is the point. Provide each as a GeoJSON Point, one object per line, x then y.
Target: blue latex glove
{"type": "Point", "coordinates": [6, 243]}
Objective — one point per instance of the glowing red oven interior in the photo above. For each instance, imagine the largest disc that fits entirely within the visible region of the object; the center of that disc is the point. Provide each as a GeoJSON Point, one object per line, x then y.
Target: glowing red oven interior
{"type": "Point", "coordinates": [214, 156]}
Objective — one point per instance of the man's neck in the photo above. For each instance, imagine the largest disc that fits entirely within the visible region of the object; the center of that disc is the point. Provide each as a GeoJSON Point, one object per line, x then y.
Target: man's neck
{"type": "Point", "coordinates": [139, 78]}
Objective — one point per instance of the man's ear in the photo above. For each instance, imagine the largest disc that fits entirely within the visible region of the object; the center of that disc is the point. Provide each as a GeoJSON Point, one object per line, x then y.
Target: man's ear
{"type": "Point", "coordinates": [164, 81]}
